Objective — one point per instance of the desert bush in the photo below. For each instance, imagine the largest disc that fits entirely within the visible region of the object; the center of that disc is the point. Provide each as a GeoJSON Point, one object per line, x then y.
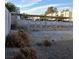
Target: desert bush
{"type": "Point", "coordinates": [25, 36]}
{"type": "Point", "coordinates": [35, 30]}
{"type": "Point", "coordinates": [24, 28]}
{"type": "Point", "coordinates": [14, 26]}
{"type": "Point", "coordinates": [26, 53]}
{"type": "Point", "coordinates": [19, 55]}
{"type": "Point", "coordinates": [47, 43]}
{"type": "Point", "coordinates": [39, 44]}
{"type": "Point", "coordinates": [17, 39]}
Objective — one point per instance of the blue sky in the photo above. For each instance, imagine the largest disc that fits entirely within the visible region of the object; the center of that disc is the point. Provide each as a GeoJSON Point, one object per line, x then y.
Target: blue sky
{"type": "Point", "coordinates": [40, 6]}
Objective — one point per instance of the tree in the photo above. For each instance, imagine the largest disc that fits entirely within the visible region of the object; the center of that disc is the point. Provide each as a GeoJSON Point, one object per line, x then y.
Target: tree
{"type": "Point", "coordinates": [24, 16]}
{"type": "Point", "coordinates": [67, 10]}
{"type": "Point", "coordinates": [11, 7]}
{"type": "Point", "coordinates": [51, 10]}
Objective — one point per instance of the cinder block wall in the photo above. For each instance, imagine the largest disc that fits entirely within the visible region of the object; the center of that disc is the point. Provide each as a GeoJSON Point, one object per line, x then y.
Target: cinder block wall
{"type": "Point", "coordinates": [13, 19]}
{"type": "Point", "coordinates": [7, 21]}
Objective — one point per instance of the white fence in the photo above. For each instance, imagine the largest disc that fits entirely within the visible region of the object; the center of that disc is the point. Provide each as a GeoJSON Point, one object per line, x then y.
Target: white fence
{"type": "Point", "coordinates": [7, 22]}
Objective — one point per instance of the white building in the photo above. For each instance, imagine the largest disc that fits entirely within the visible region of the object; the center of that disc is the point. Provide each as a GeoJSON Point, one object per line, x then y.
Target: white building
{"type": "Point", "coordinates": [59, 13]}
{"type": "Point", "coordinates": [66, 13]}
{"type": "Point", "coordinates": [51, 14]}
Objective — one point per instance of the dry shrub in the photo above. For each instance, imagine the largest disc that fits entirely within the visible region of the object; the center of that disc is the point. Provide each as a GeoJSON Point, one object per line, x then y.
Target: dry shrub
{"type": "Point", "coordinates": [47, 43]}
{"type": "Point", "coordinates": [26, 53]}
{"type": "Point", "coordinates": [25, 36]}
{"type": "Point", "coordinates": [39, 44]}
{"type": "Point", "coordinates": [15, 25]}
{"type": "Point", "coordinates": [19, 55]}
{"type": "Point", "coordinates": [17, 39]}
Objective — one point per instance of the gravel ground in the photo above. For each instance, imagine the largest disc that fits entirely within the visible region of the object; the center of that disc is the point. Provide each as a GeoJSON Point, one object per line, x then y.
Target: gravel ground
{"type": "Point", "coordinates": [38, 36]}
{"type": "Point", "coordinates": [62, 48]}
{"type": "Point", "coordinates": [58, 50]}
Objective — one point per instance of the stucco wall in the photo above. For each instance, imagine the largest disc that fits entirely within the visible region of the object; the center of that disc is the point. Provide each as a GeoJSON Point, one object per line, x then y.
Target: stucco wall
{"type": "Point", "coordinates": [7, 22]}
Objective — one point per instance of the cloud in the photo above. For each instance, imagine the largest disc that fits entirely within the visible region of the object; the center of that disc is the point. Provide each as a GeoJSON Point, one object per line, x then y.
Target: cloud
{"type": "Point", "coordinates": [7, 1]}
{"type": "Point", "coordinates": [66, 7]}
{"type": "Point", "coordinates": [29, 1]}
{"type": "Point", "coordinates": [25, 3]}
{"type": "Point", "coordinates": [41, 9]}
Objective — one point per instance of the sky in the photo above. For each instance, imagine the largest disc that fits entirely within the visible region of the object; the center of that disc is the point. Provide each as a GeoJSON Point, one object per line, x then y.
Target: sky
{"type": "Point", "coordinates": [40, 6]}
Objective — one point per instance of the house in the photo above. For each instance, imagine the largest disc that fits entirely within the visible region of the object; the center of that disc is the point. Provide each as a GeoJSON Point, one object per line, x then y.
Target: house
{"type": "Point", "coordinates": [66, 13]}
{"type": "Point", "coordinates": [51, 14]}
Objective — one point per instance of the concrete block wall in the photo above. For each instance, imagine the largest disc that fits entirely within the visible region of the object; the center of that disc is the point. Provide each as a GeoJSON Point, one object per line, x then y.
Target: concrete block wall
{"type": "Point", "coordinates": [7, 21]}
